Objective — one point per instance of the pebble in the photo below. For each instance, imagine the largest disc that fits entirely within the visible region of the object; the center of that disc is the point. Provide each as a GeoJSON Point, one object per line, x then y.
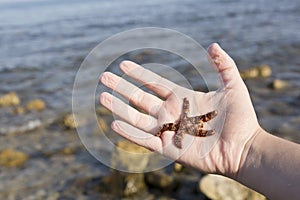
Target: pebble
{"type": "Point", "coordinates": [103, 125]}
{"type": "Point", "coordinates": [123, 184]}
{"type": "Point", "coordinates": [63, 151]}
{"type": "Point", "coordinates": [218, 187]}
{"type": "Point", "coordinates": [19, 110]}
{"type": "Point", "coordinates": [264, 71]}
{"type": "Point", "coordinates": [130, 157]}
{"type": "Point", "coordinates": [102, 111]}
{"type": "Point", "coordinates": [278, 84]}
{"type": "Point", "coordinates": [178, 167]}
{"type": "Point", "coordinates": [249, 73]}
{"type": "Point", "coordinates": [161, 180]}
{"type": "Point", "coordinates": [10, 99]}
{"type": "Point", "coordinates": [69, 122]}
{"type": "Point", "coordinates": [12, 158]}
{"type": "Point", "coordinates": [261, 71]}
{"type": "Point", "coordinates": [36, 105]}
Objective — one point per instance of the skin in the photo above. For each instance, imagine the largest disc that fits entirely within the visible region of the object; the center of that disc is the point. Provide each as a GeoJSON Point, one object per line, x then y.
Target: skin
{"type": "Point", "coordinates": [244, 151]}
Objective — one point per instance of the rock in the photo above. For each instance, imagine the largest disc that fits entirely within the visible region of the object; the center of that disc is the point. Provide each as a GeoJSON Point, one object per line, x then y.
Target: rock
{"type": "Point", "coordinates": [65, 151]}
{"type": "Point", "coordinates": [178, 167]}
{"type": "Point", "coordinates": [53, 196]}
{"type": "Point", "coordinates": [19, 110]}
{"type": "Point", "coordinates": [218, 187]}
{"type": "Point", "coordinates": [36, 105]}
{"type": "Point", "coordinates": [264, 71]}
{"type": "Point", "coordinates": [69, 122]}
{"type": "Point", "coordinates": [102, 111]}
{"type": "Point", "coordinates": [123, 184]}
{"type": "Point", "coordinates": [10, 99]}
{"type": "Point", "coordinates": [12, 158]}
{"type": "Point", "coordinates": [103, 125]}
{"type": "Point", "coordinates": [278, 84]}
{"type": "Point", "coordinates": [130, 157]}
{"type": "Point", "coordinates": [249, 73]}
{"type": "Point", "coordinates": [159, 179]}
{"type": "Point", "coordinates": [261, 71]}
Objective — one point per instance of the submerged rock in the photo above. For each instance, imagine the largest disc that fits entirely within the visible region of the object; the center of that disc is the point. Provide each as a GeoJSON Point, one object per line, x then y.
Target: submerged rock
{"type": "Point", "coordinates": [36, 105]}
{"type": "Point", "coordinates": [19, 110]}
{"type": "Point", "coordinates": [65, 151]}
{"type": "Point", "coordinates": [10, 99]}
{"type": "Point", "coordinates": [130, 157]}
{"type": "Point", "coordinates": [123, 184]}
{"type": "Point", "coordinates": [103, 125]}
{"type": "Point", "coordinates": [12, 158]}
{"type": "Point", "coordinates": [178, 167]}
{"type": "Point", "coordinates": [278, 84]}
{"type": "Point", "coordinates": [261, 71]}
{"type": "Point", "coordinates": [102, 111]}
{"type": "Point", "coordinates": [264, 71]}
{"type": "Point", "coordinates": [69, 122]}
{"type": "Point", "coordinates": [161, 180]}
{"type": "Point", "coordinates": [218, 187]}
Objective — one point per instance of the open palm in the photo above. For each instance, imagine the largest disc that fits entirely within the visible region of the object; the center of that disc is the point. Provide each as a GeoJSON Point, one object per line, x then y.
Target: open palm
{"type": "Point", "coordinates": [235, 124]}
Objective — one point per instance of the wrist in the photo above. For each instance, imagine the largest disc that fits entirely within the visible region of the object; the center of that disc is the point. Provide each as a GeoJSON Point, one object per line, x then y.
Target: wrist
{"type": "Point", "coordinates": [246, 156]}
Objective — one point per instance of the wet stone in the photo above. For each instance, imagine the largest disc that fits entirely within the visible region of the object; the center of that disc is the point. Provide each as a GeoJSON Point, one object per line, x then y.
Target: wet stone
{"type": "Point", "coordinates": [19, 110]}
{"type": "Point", "coordinates": [65, 151]}
{"type": "Point", "coordinates": [10, 99]}
{"type": "Point", "coordinates": [161, 180]}
{"type": "Point", "coordinates": [12, 158]}
{"type": "Point", "coordinates": [264, 71]}
{"type": "Point", "coordinates": [123, 184]}
{"type": "Point", "coordinates": [102, 111]}
{"type": "Point", "coordinates": [103, 125]}
{"type": "Point", "coordinates": [261, 71]}
{"type": "Point", "coordinates": [130, 157]}
{"type": "Point", "coordinates": [178, 167]}
{"type": "Point", "coordinates": [69, 122]}
{"type": "Point", "coordinates": [218, 187]}
{"type": "Point", "coordinates": [278, 84]}
{"type": "Point", "coordinates": [36, 105]}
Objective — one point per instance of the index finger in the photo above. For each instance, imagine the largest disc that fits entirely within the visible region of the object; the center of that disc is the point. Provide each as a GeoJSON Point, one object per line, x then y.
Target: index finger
{"type": "Point", "coordinates": [151, 80]}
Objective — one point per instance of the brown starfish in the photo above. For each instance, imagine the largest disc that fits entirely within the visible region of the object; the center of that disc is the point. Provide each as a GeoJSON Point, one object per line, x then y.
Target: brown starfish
{"type": "Point", "coordinates": [189, 125]}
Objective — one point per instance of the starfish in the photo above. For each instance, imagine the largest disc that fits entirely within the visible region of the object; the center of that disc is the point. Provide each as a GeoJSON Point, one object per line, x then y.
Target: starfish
{"type": "Point", "coordinates": [189, 125]}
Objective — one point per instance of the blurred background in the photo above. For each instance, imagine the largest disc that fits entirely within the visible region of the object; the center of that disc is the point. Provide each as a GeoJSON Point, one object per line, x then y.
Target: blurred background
{"type": "Point", "coordinates": [43, 43]}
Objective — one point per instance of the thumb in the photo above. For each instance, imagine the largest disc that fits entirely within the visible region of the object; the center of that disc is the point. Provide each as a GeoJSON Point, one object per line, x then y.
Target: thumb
{"type": "Point", "coordinates": [225, 66]}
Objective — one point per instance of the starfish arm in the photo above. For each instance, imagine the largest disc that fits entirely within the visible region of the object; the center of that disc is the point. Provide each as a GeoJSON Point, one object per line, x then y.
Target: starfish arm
{"type": "Point", "coordinates": [185, 108]}
{"type": "Point", "coordinates": [205, 118]}
{"type": "Point", "coordinates": [178, 138]}
{"type": "Point", "coordinates": [204, 133]}
{"type": "Point", "coordinates": [167, 127]}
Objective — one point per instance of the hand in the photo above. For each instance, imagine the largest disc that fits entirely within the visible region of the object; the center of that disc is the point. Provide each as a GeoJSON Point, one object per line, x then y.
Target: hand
{"type": "Point", "coordinates": [236, 123]}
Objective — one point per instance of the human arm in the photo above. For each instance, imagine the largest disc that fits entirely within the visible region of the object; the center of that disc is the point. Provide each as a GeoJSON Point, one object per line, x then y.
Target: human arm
{"type": "Point", "coordinates": [270, 165]}
{"type": "Point", "coordinates": [236, 150]}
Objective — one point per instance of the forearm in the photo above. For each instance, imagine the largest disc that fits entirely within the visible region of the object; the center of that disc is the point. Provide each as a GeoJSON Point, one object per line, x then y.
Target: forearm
{"type": "Point", "coordinates": [271, 166]}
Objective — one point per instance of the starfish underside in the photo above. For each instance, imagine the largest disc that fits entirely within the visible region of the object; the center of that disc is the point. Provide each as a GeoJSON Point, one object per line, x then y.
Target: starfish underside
{"type": "Point", "coordinates": [189, 125]}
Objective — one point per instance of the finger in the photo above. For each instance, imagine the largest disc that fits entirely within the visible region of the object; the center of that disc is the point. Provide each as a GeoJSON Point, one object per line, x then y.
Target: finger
{"type": "Point", "coordinates": [128, 113]}
{"type": "Point", "coordinates": [148, 102]}
{"type": "Point", "coordinates": [137, 136]}
{"type": "Point", "coordinates": [225, 65]}
{"type": "Point", "coordinates": [154, 82]}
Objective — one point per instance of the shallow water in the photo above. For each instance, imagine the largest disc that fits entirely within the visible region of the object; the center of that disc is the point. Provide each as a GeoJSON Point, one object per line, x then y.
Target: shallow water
{"type": "Point", "coordinates": [44, 42]}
